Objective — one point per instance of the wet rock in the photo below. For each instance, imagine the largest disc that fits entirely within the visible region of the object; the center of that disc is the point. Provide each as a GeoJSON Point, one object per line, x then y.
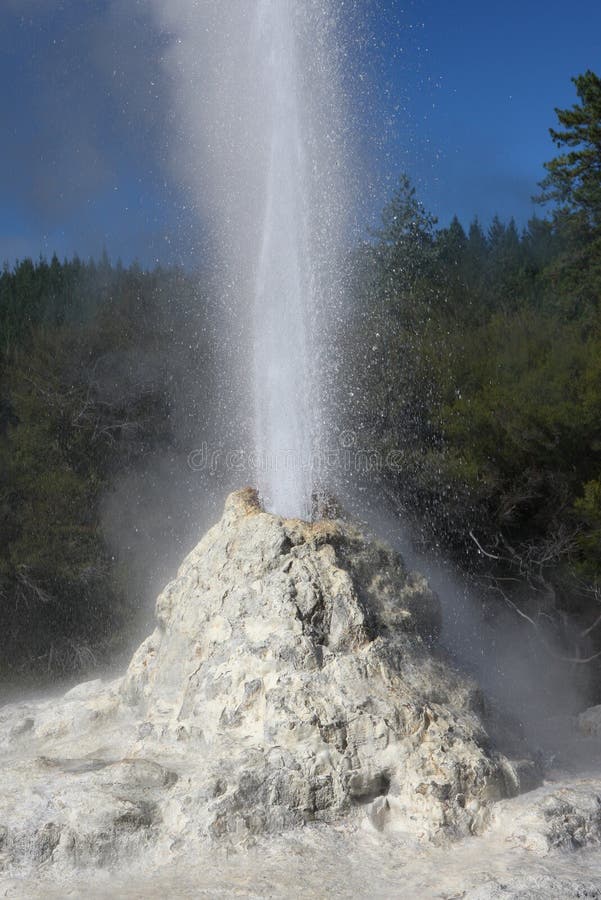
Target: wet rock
{"type": "Point", "coordinates": [553, 817]}
{"type": "Point", "coordinates": [589, 721]}
{"type": "Point", "coordinates": [310, 640]}
{"type": "Point", "coordinates": [292, 678]}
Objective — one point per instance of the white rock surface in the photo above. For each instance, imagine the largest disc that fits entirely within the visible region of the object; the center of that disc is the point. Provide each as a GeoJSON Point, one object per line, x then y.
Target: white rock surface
{"type": "Point", "coordinates": [293, 678]}
{"type": "Point", "coordinates": [589, 722]}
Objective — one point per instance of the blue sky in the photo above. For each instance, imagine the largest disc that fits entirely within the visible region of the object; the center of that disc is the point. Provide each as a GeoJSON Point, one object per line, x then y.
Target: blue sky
{"type": "Point", "coordinates": [462, 97]}
{"type": "Point", "coordinates": [483, 82]}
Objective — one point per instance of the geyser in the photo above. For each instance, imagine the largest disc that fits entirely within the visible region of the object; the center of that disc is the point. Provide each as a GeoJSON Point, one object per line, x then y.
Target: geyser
{"type": "Point", "coordinates": [258, 100]}
{"type": "Point", "coordinates": [291, 268]}
{"type": "Point", "coordinates": [283, 378]}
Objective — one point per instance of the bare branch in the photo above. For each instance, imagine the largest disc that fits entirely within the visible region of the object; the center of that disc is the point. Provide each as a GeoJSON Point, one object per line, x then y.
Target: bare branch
{"type": "Point", "coordinates": [481, 548]}
{"type": "Point", "coordinates": [532, 562]}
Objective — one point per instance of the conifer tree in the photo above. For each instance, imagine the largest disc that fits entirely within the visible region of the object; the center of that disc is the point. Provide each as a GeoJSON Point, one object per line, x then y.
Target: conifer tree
{"type": "Point", "coordinates": [574, 177]}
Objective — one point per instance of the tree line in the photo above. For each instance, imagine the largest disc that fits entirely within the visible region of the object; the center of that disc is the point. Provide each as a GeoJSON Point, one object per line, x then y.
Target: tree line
{"type": "Point", "coordinates": [478, 353]}
{"type": "Point", "coordinates": [94, 364]}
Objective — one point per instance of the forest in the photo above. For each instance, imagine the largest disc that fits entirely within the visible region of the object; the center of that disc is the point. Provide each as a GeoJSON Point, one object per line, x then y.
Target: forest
{"type": "Point", "coordinates": [474, 353]}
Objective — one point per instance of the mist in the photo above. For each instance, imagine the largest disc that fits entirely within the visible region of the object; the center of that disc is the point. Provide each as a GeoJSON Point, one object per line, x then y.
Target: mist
{"type": "Point", "coordinates": [525, 673]}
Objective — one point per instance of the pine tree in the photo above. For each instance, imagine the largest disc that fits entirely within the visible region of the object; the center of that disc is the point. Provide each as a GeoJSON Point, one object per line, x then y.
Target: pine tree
{"type": "Point", "coordinates": [574, 177]}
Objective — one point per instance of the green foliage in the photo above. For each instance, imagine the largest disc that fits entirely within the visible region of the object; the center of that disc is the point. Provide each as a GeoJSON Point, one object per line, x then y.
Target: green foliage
{"type": "Point", "coordinates": [484, 370]}
{"type": "Point", "coordinates": [588, 507]}
{"type": "Point", "coordinates": [84, 397]}
{"type": "Point", "coordinates": [574, 177]}
{"type": "Point", "coordinates": [56, 596]}
{"type": "Point", "coordinates": [517, 403]}
{"type": "Point", "coordinates": [404, 247]}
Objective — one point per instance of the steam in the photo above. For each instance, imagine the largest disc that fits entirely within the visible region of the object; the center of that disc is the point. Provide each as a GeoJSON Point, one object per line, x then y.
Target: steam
{"type": "Point", "coordinates": [521, 675]}
{"type": "Point", "coordinates": [259, 143]}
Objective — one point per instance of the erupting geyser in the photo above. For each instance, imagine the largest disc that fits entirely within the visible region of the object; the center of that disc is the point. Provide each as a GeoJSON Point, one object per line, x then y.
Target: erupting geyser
{"type": "Point", "coordinates": [294, 696]}
{"type": "Point", "coordinates": [285, 426]}
{"type": "Point", "coordinates": [261, 145]}
{"type": "Point", "coordinates": [294, 85]}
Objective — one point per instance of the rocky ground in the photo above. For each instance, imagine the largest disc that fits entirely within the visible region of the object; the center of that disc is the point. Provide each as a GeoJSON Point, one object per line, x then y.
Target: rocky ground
{"type": "Point", "coordinates": [290, 728]}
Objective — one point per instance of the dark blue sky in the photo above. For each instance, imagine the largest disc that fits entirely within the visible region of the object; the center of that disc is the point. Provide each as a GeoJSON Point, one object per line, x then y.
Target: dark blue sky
{"type": "Point", "coordinates": [462, 98]}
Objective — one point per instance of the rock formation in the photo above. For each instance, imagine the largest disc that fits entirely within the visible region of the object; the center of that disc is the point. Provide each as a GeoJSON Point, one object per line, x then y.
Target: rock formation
{"type": "Point", "coordinates": [293, 677]}
{"type": "Point", "coordinates": [298, 660]}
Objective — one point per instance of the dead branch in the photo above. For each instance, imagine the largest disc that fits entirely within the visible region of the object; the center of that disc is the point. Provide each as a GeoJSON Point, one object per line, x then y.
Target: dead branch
{"type": "Point", "coordinates": [532, 562]}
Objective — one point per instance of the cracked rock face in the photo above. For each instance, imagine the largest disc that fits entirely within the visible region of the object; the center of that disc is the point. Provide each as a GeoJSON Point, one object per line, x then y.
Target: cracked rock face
{"type": "Point", "coordinates": [292, 677]}
{"type": "Point", "coordinates": [299, 660]}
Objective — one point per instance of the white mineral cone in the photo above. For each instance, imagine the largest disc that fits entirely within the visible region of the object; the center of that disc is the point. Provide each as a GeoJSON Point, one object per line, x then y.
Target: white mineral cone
{"type": "Point", "coordinates": [292, 677]}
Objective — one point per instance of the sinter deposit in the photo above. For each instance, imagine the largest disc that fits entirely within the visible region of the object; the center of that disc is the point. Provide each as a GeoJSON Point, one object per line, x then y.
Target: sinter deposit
{"type": "Point", "coordinates": [292, 678]}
